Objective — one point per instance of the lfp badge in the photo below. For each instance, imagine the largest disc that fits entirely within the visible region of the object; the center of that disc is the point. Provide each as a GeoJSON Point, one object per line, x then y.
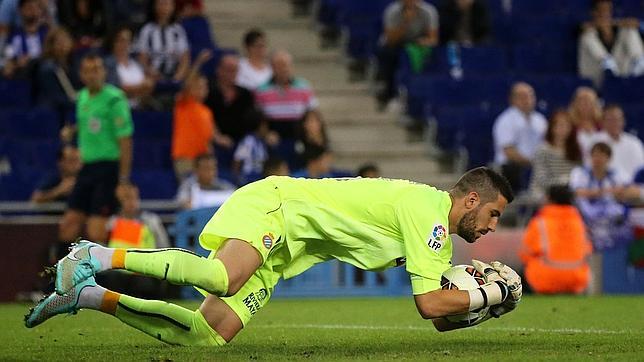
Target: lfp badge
{"type": "Point", "coordinates": [439, 233]}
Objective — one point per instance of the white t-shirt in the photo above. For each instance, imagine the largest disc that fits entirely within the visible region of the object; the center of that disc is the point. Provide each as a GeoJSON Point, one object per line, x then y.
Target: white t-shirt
{"type": "Point", "coordinates": [628, 153]}
{"type": "Point", "coordinates": [250, 77]}
{"type": "Point", "coordinates": [512, 128]}
{"type": "Point", "coordinates": [130, 74]}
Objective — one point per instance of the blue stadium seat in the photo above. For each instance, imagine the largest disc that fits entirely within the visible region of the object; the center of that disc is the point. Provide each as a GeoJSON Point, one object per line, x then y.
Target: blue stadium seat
{"type": "Point", "coordinates": [155, 184]}
{"type": "Point", "coordinates": [634, 114]}
{"type": "Point", "coordinates": [544, 30]}
{"type": "Point", "coordinates": [623, 90]}
{"type": "Point", "coordinates": [150, 125]}
{"type": "Point", "coordinates": [15, 93]}
{"type": "Point", "coordinates": [363, 22]}
{"type": "Point", "coordinates": [532, 58]}
{"type": "Point", "coordinates": [151, 154]}
{"type": "Point", "coordinates": [554, 90]}
{"type": "Point", "coordinates": [40, 154]}
{"type": "Point", "coordinates": [198, 31]}
{"type": "Point", "coordinates": [35, 123]}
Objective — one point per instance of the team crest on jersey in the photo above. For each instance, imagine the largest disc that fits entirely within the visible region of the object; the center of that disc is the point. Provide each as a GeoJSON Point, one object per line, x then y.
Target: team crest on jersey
{"type": "Point", "coordinates": [437, 238]}
{"type": "Point", "coordinates": [267, 240]}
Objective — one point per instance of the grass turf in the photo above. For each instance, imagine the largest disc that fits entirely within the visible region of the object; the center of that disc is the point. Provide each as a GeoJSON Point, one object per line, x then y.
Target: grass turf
{"type": "Point", "coordinates": [542, 328]}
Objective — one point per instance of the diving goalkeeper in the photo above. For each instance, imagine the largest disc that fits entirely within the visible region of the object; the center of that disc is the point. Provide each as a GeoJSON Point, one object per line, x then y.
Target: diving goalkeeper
{"type": "Point", "coordinates": [278, 228]}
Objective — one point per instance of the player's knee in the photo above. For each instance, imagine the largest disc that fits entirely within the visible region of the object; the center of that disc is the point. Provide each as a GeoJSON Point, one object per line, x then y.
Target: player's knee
{"type": "Point", "coordinates": [69, 229]}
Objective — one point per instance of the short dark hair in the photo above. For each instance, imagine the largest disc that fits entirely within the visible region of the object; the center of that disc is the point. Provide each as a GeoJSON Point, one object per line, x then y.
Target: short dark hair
{"type": "Point", "coordinates": [368, 167]}
{"type": "Point", "coordinates": [603, 148]}
{"type": "Point", "coordinates": [271, 164]}
{"type": "Point", "coordinates": [251, 36]}
{"type": "Point", "coordinates": [314, 152]}
{"type": "Point", "coordinates": [595, 3]}
{"type": "Point", "coordinates": [90, 56]}
{"type": "Point", "coordinates": [21, 3]}
{"type": "Point", "coordinates": [560, 195]}
{"type": "Point", "coordinates": [486, 182]}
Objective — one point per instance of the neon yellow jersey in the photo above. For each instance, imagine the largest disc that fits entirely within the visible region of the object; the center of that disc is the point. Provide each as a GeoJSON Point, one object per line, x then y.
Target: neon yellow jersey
{"type": "Point", "coordinates": [373, 224]}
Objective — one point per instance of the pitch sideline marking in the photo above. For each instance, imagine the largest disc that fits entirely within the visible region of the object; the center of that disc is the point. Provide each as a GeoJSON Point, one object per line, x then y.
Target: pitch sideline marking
{"type": "Point", "coordinates": [415, 328]}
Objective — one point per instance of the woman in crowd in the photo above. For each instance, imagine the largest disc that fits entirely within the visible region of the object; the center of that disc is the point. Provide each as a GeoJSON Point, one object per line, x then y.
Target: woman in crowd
{"type": "Point", "coordinates": [254, 69]}
{"type": "Point", "coordinates": [585, 112]}
{"type": "Point", "coordinates": [125, 72]}
{"type": "Point", "coordinates": [556, 157]}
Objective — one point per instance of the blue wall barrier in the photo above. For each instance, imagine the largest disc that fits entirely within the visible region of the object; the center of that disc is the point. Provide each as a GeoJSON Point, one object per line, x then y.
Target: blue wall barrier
{"type": "Point", "coordinates": [329, 279]}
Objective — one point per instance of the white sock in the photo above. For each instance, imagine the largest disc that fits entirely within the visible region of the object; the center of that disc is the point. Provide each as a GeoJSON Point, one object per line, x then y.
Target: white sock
{"type": "Point", "coordinates": [91, 297]}
{"type": "Point", "coordinates": [104, 256]}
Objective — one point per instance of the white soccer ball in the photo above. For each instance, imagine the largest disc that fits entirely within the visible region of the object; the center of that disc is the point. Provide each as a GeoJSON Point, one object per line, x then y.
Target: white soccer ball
{"type": "Point", "coordinates": [464, 277]}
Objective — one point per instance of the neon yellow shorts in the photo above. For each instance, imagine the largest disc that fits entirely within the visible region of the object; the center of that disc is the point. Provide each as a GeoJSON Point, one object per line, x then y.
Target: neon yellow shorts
{"type": "Point", "coordinates": [251, 214]}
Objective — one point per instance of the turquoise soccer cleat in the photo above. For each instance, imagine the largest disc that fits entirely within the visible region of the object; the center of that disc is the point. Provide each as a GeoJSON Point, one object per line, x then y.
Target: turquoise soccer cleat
{"type": "Point", "coordinates": [56, 304]}
{"type": "Point", "coordinates": [77, 266]}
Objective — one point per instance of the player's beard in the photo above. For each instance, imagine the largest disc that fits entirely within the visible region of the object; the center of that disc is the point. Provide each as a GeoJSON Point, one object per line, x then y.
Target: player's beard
{"type": "Point", "coordinates": [467, 225]}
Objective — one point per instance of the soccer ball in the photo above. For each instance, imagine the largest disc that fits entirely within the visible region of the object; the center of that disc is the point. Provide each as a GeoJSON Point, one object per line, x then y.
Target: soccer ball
{"type": "Point", "coordinates": [464, 277]}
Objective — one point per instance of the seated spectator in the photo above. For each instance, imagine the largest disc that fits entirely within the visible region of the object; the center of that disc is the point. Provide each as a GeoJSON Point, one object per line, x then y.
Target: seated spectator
{"type": "Point", "coordinates": [58, 186]}
{"type": "Point", "coordinates": [87, 19]}
{"type": "Point", "coordinates": [627, 149]}
{"type": "Point", "coordinates": [601, 193]}
{"type": "Point", "coordinates": [57, 82]}
{"type": "Point", "coordinates": [134, 228]}
{"type": "Point", "coordinates": [285, 100]}
{"type": "Point", "coordinates": [125, 72]}
{"type": "Point", "coordinates": [254, 69]}
{"type": "Point", "coordinates": [230, 103]}
{"type": "Point", "coordinates": [252, 151]}
{"type": "Point", "coordinates": [555, 247]}
{"type": "Point", "coordinates": [203, 188]}
{"type": "Point", "coordinates": [194, 127]}
{"type": "Point", "coordinates": [369, 170]}
{"type": "Point", "coordinates": [556, 157]}
{"type": "Point", "coordinates": [585, 113]}
{"type": "Point", "coordinates": [319, 164]}
{"type": "Point", "coordinates": [25, 43]}
{"type": "Point", "coordinates": [311, 133]}
{"type": "Point", "coordinates": [608, 44]}
{"type": "Point", "coordinates": [465, 22]}
{"type": "Point", "coordinates": [406, 22]}
{"type": "Point", "coordinates": [275, 166]}
{"type": "Point", "coordinates": [518, 132]}
{"type": "Point", "coordinates": [163, 46]}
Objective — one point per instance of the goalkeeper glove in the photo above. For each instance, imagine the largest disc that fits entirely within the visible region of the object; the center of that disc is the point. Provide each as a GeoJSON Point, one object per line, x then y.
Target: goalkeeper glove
{"type": "Point", "coordinates": [515, 287]}
{"type": "Point", "coordinates": [493, 292]}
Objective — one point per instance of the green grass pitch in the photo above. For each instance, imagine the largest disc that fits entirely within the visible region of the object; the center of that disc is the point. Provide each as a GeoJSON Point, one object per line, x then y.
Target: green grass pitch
{"type": "Point", "coordinates": [542, 328]}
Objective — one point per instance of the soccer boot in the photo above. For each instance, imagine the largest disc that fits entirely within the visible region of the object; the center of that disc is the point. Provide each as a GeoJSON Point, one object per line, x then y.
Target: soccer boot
{"type": "Point", "coordinates": [56, 304]}
{"type": "Point", "coordinates": [76, 267]}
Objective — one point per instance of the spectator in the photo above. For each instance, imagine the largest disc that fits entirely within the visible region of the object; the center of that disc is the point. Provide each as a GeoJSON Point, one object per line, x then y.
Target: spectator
{"type": "Point", "coordinates": [465, 22]}
{"type": "Point", "coordinates": [555, 247]}
{"type": "Point", "coordinates": [105, 130]}
{"type": "Point", "coordinates": [26, 41]}
{"type": "Point", "coordinates": [285, 100]}
{"type": "Point", "coordinates": [230, 104]}
{"type": "Point", "coordinates": [252, 151]}
{"type": "Point", "coordinates": [203, 188]}
{"type": "Point", "coordinates": [608, 44]}
{"type": "Point", "coordinates": [125, 72]}
{"type": "Point", "coordinates": [88, 20]}
{"type": "Point", "coordinates": [405, 22]}
{"type": "Point", "coordinates": [275, 166]}
{"type": "Point", "coordinates": [369, 170]}
{"type": "Point", "coordinates": [59, 185]}
{"type": "Point", "coordinates": [627, 149]}
{"type": "Point", "coordinates": [254, 69]}
{"type": "Point", "coordinates": [188, 8]}
{"type": "Point", "coordinates": [9, 18]}
{"type": "Point", "coordinates": [585, 113]}
{"type": "Point", "coordinates": [318, 163]}
{"type": "Point", "coordinates": [133, 13]}
{"type": "Point", "coordinates": [518, 132]}
{"type": "Point", "coordinates": [556, 157]}
{"type": "Point", "coordinates": [163, 46]}
{"type": "Point", "coordinates": [311, 133]}
{"type": "Point", "coordinates": [194, 126]}
{"type": "Point", "coordinates": [600, 195]}
{"type": "Point", "coordinates": [56, 81]}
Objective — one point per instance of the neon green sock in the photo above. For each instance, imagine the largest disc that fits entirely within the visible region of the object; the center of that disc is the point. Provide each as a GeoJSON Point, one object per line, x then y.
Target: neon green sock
{"type": "Point", "coordinates": [167, 322]}
{"type": "Point", "coordinates": [179, 266]}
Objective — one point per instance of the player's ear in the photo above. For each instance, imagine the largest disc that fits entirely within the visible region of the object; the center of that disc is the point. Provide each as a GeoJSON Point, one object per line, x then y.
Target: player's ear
{"type": "Point", "coordinates": [472, 200]}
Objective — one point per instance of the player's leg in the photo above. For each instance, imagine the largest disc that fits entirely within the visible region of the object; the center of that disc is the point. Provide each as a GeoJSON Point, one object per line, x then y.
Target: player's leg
{"type": "Point", "coordinates": [234, 264]}
{"type": "Point", "coordinates": [164, 321]}
{"type": "Point", "coordinates": [71, 224]}
{"type": "Point", "coordinates": [96, 228]}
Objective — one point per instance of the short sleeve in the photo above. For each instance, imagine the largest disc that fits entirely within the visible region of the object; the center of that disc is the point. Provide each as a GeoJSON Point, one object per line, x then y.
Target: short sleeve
{"type": "Point", "coordinates": [143, 43]}
{"type": "Point", "coordinates": [122, 117]}
{"type": "Point", "coordinates": [391, 18]}
{"type": "Point", "coordinates": [578, 178]}
{"type": "Point", "coordinates": [422, 217]}
{"type": "Point", "coordinates": [503, 132]}
{"type": "Point", "coordinates": [182, 40]}
{"type": "Point", "coordinates": [431, 16]}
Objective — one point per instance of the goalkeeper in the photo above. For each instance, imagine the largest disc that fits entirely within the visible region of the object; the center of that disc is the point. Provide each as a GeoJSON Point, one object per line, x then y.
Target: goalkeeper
{"type": "Point", "coordinates": [278, 228]}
